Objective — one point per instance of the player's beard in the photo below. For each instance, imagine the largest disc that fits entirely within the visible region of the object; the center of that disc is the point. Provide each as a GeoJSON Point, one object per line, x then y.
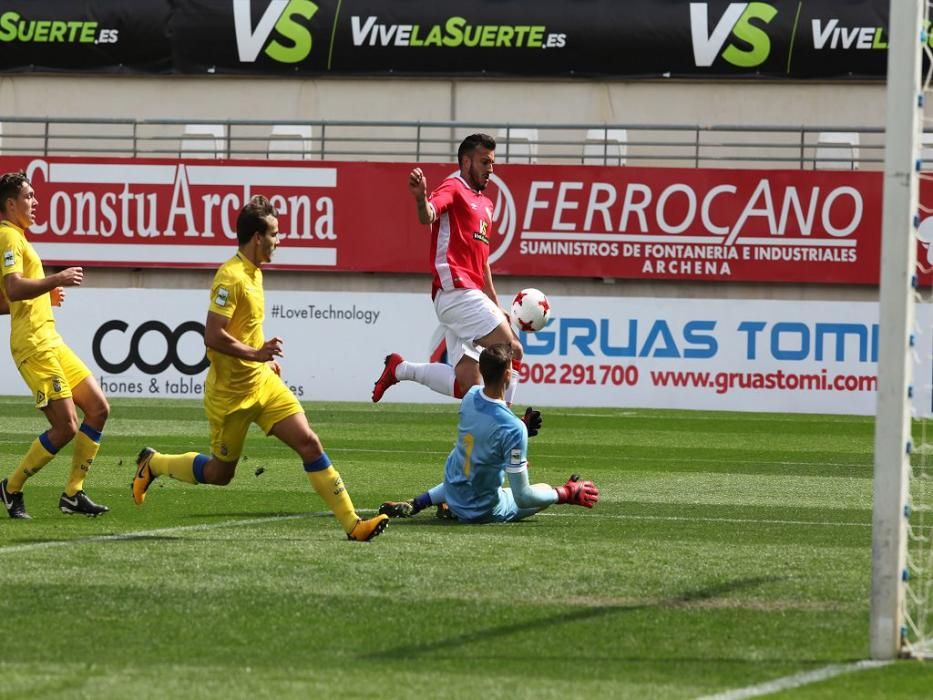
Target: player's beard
{"type": "Point", "coordinates": [478, 181]}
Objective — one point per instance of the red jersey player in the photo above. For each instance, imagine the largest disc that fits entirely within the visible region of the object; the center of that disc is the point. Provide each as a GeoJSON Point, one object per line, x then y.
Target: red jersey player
{"type": "Point", "coordinates": [464, 296]}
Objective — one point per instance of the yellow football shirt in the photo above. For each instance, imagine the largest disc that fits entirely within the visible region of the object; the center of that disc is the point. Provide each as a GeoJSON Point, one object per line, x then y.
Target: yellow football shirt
{"type": "Point", "coordinates": [32, 326]}
{"type": "Point", "coordinates": [237, 294]}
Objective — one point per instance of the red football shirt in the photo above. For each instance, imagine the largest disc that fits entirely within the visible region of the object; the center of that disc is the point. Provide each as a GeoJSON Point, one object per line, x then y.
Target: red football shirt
{"type": "Point", "coordinates": [460, 235]}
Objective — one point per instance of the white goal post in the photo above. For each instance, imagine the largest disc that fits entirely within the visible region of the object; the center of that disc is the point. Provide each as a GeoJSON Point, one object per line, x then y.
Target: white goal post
{"type": "Point", "coordinates": [892, 469]}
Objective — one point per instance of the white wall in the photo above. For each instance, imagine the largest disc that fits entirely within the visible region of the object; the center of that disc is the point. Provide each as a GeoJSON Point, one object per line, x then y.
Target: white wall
{"type": "Point", "coordinates": [666, 102]}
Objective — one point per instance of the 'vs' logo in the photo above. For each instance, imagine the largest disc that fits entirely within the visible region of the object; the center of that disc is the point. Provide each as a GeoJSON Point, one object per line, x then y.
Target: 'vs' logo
{"type": "Point", "coordinates": [737, 23]}
{"type": "Point", "coordinates": [280, 17]}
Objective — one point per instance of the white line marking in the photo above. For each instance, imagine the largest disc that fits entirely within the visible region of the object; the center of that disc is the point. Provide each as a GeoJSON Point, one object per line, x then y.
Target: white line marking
{"type": "Point", "coordinates": [734, 521]}
{"type": "Point", "coordinates": [143, 534]}
{"type": "Point", "coordinates": [795, 681]}
{"type": "Point", "coordinates": [691, 460]}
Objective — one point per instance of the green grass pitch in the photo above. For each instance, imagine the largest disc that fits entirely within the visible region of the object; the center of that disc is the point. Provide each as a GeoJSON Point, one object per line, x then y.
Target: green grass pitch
{"type": "Point", "coordinates": [728, 550]}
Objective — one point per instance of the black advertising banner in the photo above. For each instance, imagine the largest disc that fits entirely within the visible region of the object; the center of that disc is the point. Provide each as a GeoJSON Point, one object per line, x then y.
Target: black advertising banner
{"type": "Point", "coordinates": [93, 36]}
{"type": "Point", "coordinates": [586, 38]}
{"type": "Point", "coordinates": [789, 39]}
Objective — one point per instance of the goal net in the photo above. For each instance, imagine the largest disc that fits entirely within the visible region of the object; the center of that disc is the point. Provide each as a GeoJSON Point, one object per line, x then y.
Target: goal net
{"type": "Point", "coordinates": [917, 626]}
{"type": "Point", "coordinates": [902, 519]}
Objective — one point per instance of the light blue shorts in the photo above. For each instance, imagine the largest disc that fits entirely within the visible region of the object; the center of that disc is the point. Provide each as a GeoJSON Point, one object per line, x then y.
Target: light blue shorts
{"type": "Point", "coordinates": [505, 511]}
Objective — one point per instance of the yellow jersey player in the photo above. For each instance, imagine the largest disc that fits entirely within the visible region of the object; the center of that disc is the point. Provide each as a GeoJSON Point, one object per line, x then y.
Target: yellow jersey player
{"type": "Point", "coordinates": [57, 378]}
{"type": "Point", "coordinates": [243, 384]}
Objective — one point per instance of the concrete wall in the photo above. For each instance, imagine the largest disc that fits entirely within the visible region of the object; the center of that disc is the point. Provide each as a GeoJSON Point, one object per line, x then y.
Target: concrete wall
{"type": "Point", "coordinates": [647, 102]}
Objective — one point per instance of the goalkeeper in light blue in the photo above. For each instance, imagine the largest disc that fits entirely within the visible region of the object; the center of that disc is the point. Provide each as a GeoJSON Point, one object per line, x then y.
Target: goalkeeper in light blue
{"type": "Point", "coordinates": [491, 443]}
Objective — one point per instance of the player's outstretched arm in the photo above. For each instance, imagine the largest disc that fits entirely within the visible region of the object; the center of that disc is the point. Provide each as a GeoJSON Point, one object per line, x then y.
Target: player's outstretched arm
{"type": "Point", "coordinates": [530, 495]}
{"type": "Point", "coordinates": [218, 339]}
{"type": "Point", "coordinates": [578, 493]}
{"type": "Point", "coordinates": [19, 288]}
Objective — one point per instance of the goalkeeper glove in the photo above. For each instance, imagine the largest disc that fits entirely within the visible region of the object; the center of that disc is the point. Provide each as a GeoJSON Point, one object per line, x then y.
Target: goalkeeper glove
{"type": "Point", "coordinates": [578, 493]}
{"type": "Point", "coordinates": [532, 421]}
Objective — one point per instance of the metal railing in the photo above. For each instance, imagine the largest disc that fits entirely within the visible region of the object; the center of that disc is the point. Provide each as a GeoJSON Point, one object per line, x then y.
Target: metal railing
{"type": "Point", "coordinates": [670, 145]}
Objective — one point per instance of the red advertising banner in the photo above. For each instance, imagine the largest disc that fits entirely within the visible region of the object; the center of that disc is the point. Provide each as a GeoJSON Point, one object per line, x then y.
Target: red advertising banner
{"type": "Point", "coordinates": [568, 221]}
{"type": "Point", "coordinates": [691, 224]}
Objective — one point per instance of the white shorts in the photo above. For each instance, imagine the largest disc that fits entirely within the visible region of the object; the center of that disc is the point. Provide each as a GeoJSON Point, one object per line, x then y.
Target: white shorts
{"type": "Point", "coordinates": [466, 314]}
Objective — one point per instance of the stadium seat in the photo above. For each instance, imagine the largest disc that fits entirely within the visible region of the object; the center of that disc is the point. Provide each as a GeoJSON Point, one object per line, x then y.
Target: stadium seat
{"type": "Point", "coordinates": [203, 141]}
{"type": "Point", "coordinates": [837, 150]}
{"type": "Point", "coordinates": [290, 142]}
{"type": "Point", "coordinates": [605, 147]}
{"type": "Point", "coordinates": [518, 145]}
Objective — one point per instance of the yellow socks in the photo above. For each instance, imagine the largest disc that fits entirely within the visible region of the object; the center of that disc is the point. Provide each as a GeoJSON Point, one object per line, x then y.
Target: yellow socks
{"type": "Point", "coordinates": [327, 483]}
{"type": "Point", "coordinates": [180, 467]}
{"type": "Point", "coordinates": [40, 453]}
{"type": "Point", "coordinates": [87, 443]}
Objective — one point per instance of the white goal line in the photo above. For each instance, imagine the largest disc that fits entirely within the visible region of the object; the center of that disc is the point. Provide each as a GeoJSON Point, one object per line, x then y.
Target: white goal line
{"type": "Point", "coordinates": [795, 681]}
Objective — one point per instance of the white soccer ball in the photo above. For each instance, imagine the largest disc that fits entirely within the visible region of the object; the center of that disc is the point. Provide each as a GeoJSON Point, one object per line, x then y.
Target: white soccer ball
{"type": "Point", "coordinates": [530, 310]}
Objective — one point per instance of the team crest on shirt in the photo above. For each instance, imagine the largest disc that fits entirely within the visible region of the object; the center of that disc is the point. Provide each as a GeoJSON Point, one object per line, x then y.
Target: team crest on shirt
{"type": "Point", "coordinates": [222, 295]}
{"type": "Point", "coordinates": [8, 258]}
{"type": "Point", "coordinates": [516, 458]}
{"type": "Point", "coordinates": [56, 385]}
